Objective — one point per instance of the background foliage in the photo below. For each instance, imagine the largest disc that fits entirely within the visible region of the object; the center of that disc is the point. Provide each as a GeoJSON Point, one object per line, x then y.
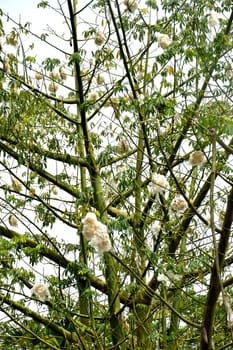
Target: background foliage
{"type": "Point", "coordinates": [91, 108]}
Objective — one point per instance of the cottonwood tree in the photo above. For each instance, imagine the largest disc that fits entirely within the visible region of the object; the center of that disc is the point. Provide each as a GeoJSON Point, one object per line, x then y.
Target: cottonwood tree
{"type": "Point", "coordinates": [116, 176]}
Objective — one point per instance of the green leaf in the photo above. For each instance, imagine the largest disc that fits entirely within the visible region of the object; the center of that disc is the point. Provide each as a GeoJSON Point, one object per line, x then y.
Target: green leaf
{"type": "Point", "coordinates": [43, 4]}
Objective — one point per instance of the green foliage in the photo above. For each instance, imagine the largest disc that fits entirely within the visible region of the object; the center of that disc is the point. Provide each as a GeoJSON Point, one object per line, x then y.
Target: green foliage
{"type": "Point", "coordinates": [51, 63]}
{"type": "Point", "coordinates": [43, 4]}
{"type": "Point", "coordinates": [84, 127]}
{"type": "Point", "coordinates": [152, 4]}
{"type": "Point", "coordinates": [217, 115]}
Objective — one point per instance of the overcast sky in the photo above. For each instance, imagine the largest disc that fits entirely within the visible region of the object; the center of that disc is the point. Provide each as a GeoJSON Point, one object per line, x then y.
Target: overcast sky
{"type": "Point", "coordinates": [27, 11]}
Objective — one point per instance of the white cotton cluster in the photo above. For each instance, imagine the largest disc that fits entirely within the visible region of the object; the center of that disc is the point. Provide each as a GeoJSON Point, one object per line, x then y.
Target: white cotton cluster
{"type": "Point", "coordinates": [163, 279]}
{"type": "Point", "coordinates": [213, 19]}
{"type": "Point", "coordinates": [131, 5]}
{"type": "Point", "coordinates": [41, 291]}
{"type": "Point", "coordinates": [99, 38]}
{"type": "Point", "coordinates": [123, 147]}
{"type": "Point", "coordinates": [89, 225]}
{"type": "Point", "coordinates": [38, 76]}
{"type": "Point", "coordinates": [54, 75]}
{"type": "Point", "coordinates": [178, 203]}
{"type": "Point", "coordinates": [97, 233]}
{"type": "Point", "coordinates": [16, 185]}
{"type": "Point", "coordinates": [53, 87]}
{"type": "Point", "coordinates": [156, 227]}
{"type": "Point", "coordinates": [13, 220]}
{"type": "Point", "coordinates": [101, 241]}
{"type": "Point", "coordinates": [164, 41]}
{"type": "Point", "coordinates": [54, 190]}
{"type": "Point", "coordinates": [159, 183]}
{"type": "Point", "coordinates": [197, 158]}
{"type": "Point", "coordinates": [63, 74]}
{"type": "Point", "coordinates": [92, 96]}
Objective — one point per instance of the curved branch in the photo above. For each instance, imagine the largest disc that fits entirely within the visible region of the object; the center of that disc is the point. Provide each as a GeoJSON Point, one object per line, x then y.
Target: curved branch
{"type": "Point", "coordinates": [64, 158]}
{"type": "Point", "coordinates": [72, 337]}
{"type": "Point", "coordinates": [58, 259]}
{"type": "Point", "coordinates": [215, 285]}
{"type": "Point", "coordinates": [52, 178]}
{"type": "Point", "coordinates": [151, 293]}
{"type": "Point", "coordinates": [21, 325]}
{"type": "Point", "coordinates": [41, 93]}
{"type": "Point", "coordinates": [227, 148]}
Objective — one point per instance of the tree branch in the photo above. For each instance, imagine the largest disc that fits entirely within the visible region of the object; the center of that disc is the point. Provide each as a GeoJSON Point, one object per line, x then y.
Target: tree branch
{"type": "Point", "coordinates": [72, 337]}
{"type": "Point", "coordinates": [215, 287]}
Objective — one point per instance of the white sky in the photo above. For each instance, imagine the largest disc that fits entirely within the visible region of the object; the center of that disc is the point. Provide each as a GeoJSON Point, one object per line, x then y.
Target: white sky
{"type": "Point", "coordinates": [26, 9]}
{"type": "Point", "coordinates": [39, 18]}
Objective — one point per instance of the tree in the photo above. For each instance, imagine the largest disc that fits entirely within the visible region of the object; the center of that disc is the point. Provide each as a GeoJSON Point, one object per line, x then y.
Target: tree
{"type": "Point", "coordinates": [116, 176]}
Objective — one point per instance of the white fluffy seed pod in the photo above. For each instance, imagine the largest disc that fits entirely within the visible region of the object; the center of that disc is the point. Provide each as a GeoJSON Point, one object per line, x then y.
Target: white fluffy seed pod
{"type": "Point", "coordinates": [41, 291]}
{"type": "Point", "coordinates": [101, 241]}
{"type": "Point", "coordinates": [92, 96]}
{"type": "Point", "coordinates": [197, 158]}
{"type": "Point", "coordinates": [123, 147]}
{"type": "Point", "coordinates": [12, 220]}
{"type": "Point", "coordinates": [16, 185]}
{"type": "Point", "coordinates": [54, 190]}
{"type": "Point", "coordinates": [89, 225]}
{"type": "Point", "coordinates": [213, 19]}
{"type": "Point", "coordinates": [63, 74]}
{"type": "Point", "coordinates": [178, 203]}
{"type": "Point", "coordinates": [52, 87]}
{"type": "Point", "coordinates": [163, 279]}
{"type": "Point", "coordinates": [159, 183]}
{"type": "Point", "coordinates": [99, 38]}
{"type": "Point", "coordinates": [38, 76]}
{"type": "Point", "coordinates": [156, 226]}
{"type": "Point", "coordinates": [54, 75]}
{"type": "Point", "coordinates": [164, 41]}
{"type": "Point", "coordinates": [131, 5]}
